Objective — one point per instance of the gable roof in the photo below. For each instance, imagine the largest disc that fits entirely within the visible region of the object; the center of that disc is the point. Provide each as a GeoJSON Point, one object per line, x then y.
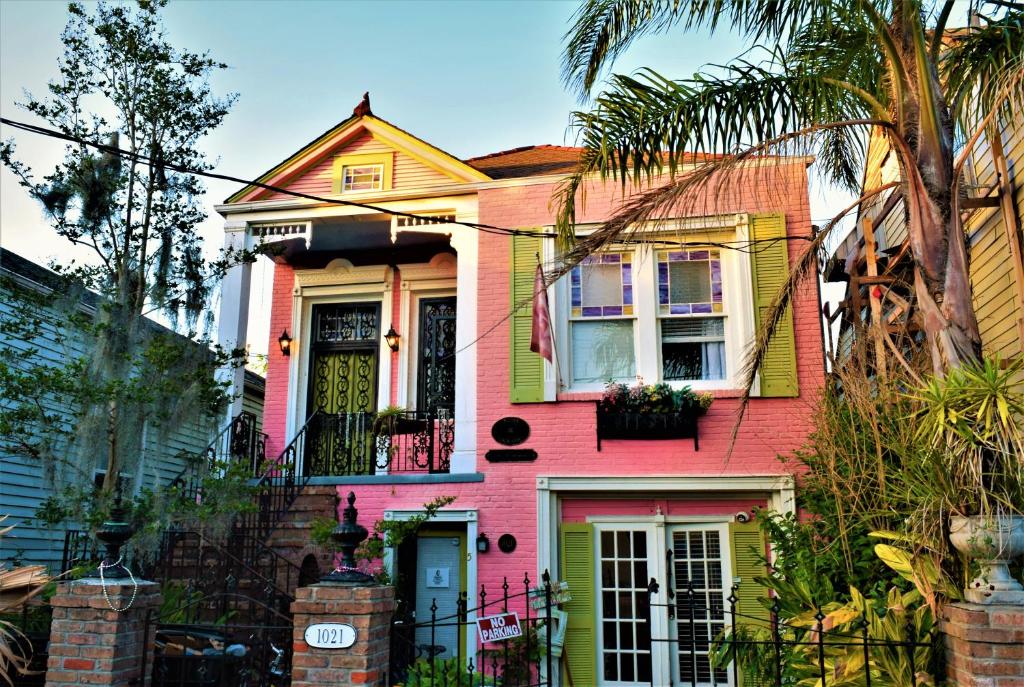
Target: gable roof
{"type": "Point", "coordinates": [347, 130]}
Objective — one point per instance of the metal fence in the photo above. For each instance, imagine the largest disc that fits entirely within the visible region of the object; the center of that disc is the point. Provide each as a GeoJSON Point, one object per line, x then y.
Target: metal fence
{"type": "Point", "coordinates": [519, 656]}
{"type": "Point", "coordinates": [32, 626]}
{"type": "Point", "coordinates": [770, 651]}
{"type": "Point", "coordinates": [343, 444]}
{"type": "Point", "coordinates": [192, 649]}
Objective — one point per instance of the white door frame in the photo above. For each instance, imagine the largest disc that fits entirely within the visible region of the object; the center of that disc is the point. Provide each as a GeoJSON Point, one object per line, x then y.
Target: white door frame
{"type": "Point", "coordinates": [467, 516]}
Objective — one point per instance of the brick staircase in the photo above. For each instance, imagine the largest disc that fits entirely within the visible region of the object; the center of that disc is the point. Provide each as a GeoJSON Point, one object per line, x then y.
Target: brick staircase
{"type": "Point", "coordinates": [291, 537]}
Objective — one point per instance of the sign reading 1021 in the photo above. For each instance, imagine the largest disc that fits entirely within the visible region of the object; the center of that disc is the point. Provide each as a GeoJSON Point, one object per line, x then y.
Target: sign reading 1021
{"type": "Point", "coordinates": [330, 636]}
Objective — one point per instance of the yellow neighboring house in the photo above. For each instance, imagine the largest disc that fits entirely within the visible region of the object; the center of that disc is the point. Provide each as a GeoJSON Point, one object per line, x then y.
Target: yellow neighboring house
{"type": "Point", "coordinates": [880, 272]}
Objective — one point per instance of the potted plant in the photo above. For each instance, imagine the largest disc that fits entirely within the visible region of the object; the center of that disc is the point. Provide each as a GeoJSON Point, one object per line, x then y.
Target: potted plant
{"type": "Point", "coordinates": [971, 421]}
{"type": "Point", "coordinates": [650, 411]}
{"type": "Point", "coordinates": [397, 420]}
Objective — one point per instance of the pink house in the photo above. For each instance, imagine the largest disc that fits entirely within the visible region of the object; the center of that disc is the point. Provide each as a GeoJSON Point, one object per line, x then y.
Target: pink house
{"type": "Point", "coordinates": [512, 437]}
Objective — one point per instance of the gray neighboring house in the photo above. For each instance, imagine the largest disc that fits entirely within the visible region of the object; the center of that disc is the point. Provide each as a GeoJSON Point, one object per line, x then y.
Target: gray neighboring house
{"type": "Point", "coordinates": [23, 484]}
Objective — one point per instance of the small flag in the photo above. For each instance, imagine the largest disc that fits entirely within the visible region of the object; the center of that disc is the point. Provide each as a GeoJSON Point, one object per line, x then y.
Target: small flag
{"type": "Point", "coordinates": [540, 337]}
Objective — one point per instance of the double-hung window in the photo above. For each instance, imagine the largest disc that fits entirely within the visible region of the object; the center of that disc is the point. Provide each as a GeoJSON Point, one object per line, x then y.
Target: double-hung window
{"type": "Point", "coordinates": [691, 315]}
{"type": "Point", "coordinates": [601, 318]}
{"type": "Point", "coordinates": [665, 314]}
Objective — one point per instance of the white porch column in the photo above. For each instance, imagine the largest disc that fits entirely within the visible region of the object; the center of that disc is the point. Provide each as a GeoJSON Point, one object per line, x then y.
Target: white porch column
{"type": "Point", "coordinates": [233, 321]}
{"type": "Point", "coordinates": [465, 242]}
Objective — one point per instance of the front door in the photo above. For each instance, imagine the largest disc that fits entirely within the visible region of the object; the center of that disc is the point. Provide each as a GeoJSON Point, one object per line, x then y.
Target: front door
{"type": "Point", "coordinates": [680, 558]}
{"type": "Point", "coordinates": [436, 364]}
{"type": "Point", "coordinates": [345, 339]}
{"type": "Point", "coordinates": [440, 579]}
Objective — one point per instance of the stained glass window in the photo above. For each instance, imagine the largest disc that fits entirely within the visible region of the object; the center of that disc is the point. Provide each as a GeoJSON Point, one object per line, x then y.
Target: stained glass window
{"type": "Point", "coordinates": [602, 286]}
{"type": "Point", "coordinates": [689, 282]}
{"type": "Point", "coordinates": [362, 177]}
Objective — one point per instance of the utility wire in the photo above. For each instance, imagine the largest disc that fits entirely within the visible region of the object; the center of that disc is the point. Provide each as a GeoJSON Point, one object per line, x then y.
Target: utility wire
{"type": "Point", "coordinates": [750, 246]}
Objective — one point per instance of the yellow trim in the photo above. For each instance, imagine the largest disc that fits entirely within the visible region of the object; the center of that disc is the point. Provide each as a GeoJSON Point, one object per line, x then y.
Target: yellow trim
{"type": "Point", "coordinates": [406, 143]}
{"type": "Point", "coordinates": [342, 161]}
{"type": "Point", "coordinates": [425, 533]}
{"type": "Point", "coordinates": [423, 151]}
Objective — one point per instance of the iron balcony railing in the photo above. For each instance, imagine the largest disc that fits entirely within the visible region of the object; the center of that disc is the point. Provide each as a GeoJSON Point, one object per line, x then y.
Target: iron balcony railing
{"type": "Point", "coordinates": [350, 444]}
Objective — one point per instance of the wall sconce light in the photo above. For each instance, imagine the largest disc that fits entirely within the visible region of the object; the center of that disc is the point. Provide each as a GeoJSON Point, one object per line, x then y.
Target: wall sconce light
{"type": "Point", "coordinates": [392, 338]}
{"type": "Point", "coordinates": [483, 544]}
{"type": "Point", "coordinates": [285, 342]}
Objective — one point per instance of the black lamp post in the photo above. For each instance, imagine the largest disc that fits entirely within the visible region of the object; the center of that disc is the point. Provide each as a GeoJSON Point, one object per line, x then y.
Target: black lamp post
{"type": "Point", "coordinates": [113, 533]}
{"type": "Point", "coordinates": [348, 535]}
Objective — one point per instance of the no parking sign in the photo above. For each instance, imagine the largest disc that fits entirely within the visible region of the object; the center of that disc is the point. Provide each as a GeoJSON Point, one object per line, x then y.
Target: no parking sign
{"type": "Point", "coordinates": [499, 628]}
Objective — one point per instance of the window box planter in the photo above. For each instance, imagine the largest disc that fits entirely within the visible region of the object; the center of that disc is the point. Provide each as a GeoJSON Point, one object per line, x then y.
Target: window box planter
{"type": "Point", "coordinates": [650, 412]}
{"type": "Point", "coordinates": [624, 425]}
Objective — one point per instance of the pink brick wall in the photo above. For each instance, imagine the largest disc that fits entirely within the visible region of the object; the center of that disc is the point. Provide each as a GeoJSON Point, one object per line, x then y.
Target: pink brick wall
{"type": "Point", "coordinates": [275, 407]}
{"type": "Point", "coordinates": [563, 433]}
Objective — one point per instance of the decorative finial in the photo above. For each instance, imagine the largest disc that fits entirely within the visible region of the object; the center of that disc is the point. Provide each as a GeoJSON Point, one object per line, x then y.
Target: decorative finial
{"type": "Point", "coordinates": [347, 536]}
{"type": "Point", "coordinates": [363, 108]}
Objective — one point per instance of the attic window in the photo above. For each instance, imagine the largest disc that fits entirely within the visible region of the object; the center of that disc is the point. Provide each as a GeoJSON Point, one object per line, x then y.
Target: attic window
{"type": "Point", "coordinates": [362, 173]}
{"type": "Point", "coordinates": [362, 178]}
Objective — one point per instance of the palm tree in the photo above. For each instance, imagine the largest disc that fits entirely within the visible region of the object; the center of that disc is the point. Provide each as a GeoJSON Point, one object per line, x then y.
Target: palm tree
{"type": "Point", "coordinates": [819, 77]}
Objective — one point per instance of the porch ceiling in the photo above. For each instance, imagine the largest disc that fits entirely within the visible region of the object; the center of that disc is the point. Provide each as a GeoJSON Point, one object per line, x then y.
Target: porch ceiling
{"type": "Point", "coordinates": [359, 240]}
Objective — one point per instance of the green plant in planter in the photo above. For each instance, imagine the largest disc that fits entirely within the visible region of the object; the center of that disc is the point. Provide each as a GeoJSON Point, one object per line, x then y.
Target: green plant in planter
{"type": "Point", "coordinates": [653, 399]}
{"type": "Point", "coordinates": [970, 473]}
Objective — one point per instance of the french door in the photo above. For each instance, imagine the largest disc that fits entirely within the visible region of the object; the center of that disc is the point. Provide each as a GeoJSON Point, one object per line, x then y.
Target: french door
{"type": "Point", "coordinates": [661, 637]}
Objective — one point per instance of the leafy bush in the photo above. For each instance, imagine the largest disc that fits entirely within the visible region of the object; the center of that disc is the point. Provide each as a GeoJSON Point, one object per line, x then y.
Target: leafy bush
{"type": "Point", "coordinates": [653, 398]}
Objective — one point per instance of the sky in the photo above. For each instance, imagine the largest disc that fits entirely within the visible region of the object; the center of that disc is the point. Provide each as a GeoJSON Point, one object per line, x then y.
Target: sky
{"type": "Point", "coordinates": [471, 77]}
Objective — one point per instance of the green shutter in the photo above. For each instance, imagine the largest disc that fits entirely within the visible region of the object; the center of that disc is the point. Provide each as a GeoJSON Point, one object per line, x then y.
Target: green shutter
{"type": "Point", "coordinates": [769, 272]}
{"type": "Point", "coordinates": [580, 649]}
{"type": "Point", "coordinates": [747, 553]}
{"type": "Point", "coordinates": [526, 368]}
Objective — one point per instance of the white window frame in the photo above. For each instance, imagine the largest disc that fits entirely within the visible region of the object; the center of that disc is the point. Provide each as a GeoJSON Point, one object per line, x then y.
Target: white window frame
{"type": "Point", "coordinates": [737, 300]}
{"type": "Point", "coordinates": [378, 168]}
{"type": "Point", "coordinates": [632, 319]}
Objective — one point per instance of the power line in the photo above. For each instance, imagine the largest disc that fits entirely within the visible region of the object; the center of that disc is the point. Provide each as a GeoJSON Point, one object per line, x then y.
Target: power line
{"type": "Point", "coordinates": [741, 246]}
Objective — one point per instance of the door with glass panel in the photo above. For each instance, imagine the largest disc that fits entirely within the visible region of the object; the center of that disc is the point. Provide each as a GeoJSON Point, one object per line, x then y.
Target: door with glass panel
{"type": "Point", "coordinates": [681, 558]}
{"type": "Point", "coordinates": [698, 561]}
{"type": "Point", "coordinates": [624, 621]}
{"type": "Point", "coordinates": [345, 338]}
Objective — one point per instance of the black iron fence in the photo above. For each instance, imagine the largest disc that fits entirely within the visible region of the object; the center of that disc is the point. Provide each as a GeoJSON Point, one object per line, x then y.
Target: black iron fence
{"type": "Point", "coordinates": [344, 444]}
{"type": "Point", "coordinates": [192, 651]}
{"type": "Point", "coordinates": [511, 630]}
{"type": "Point", "coordinates": [31, 635]}
{"type": "Point", "coordinates": [715, 644]}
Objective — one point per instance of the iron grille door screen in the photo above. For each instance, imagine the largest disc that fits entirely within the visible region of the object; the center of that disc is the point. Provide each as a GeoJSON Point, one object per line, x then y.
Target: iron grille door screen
{"type": "Point", "coordinates": [698, 560]}
{"type": "Point", "coordinates": [436, 378]}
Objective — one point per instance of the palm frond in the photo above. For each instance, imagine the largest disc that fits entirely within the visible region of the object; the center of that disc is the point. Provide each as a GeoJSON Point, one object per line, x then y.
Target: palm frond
{"type": "Point", "coordinates": [646, 125]}
{"type": "Point", "coordinates": [799, 271]}
{"type": "Point", "coordinates": [975, 65]}
{"type": "Point", "coordinates": [603, 29]}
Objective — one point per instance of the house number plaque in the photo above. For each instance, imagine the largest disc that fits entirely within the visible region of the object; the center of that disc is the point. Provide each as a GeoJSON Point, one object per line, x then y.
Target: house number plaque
{"type": "Point", "coordinates": [510, 431]}
{"type": "Point", "coordinates": [330, 636]}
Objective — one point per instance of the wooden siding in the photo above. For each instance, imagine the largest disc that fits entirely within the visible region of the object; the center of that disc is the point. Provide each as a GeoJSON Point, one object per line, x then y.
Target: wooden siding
{"type": "Point", "coordinates": [997, 296]}
{"type": "Point", "coordinates": [24, 484]}
{"type": "Point", "coordinates": [408, 172]}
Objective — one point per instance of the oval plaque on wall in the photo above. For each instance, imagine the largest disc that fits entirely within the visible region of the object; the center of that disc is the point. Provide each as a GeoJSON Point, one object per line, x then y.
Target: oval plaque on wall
{"type": "Point", "coordinates": [330, 635]}
{"type": "Point", "coordinates": [510, 431]}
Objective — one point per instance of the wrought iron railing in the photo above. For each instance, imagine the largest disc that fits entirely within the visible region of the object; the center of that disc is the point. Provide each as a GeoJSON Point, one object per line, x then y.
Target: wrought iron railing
{"type": "Point", "coordinates": [238, 441]}
{"type": "Point", "coordinates": [277, 487]}
{"type": "Point", "coordinates": [350, 444]}
{"type": "Point", "coordinates": [431, 649]}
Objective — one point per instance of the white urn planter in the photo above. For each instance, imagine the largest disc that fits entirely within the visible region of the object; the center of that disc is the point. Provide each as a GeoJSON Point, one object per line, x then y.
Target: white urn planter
{"type": "Point", "coordinates": [993, 541]}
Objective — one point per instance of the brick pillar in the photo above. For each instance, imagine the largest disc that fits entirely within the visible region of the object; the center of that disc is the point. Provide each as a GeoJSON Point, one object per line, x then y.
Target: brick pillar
{"type": "Point", "coordinates": [984, 644]}
{"type": "Point", "coordinates": [90, 644]}
{"type": "Point", "coordinates": [368, 610]}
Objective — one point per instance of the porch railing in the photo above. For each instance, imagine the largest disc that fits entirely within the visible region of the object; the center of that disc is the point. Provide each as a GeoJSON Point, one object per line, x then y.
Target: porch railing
{"type": "Point", "coordinates": [350, 444]}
